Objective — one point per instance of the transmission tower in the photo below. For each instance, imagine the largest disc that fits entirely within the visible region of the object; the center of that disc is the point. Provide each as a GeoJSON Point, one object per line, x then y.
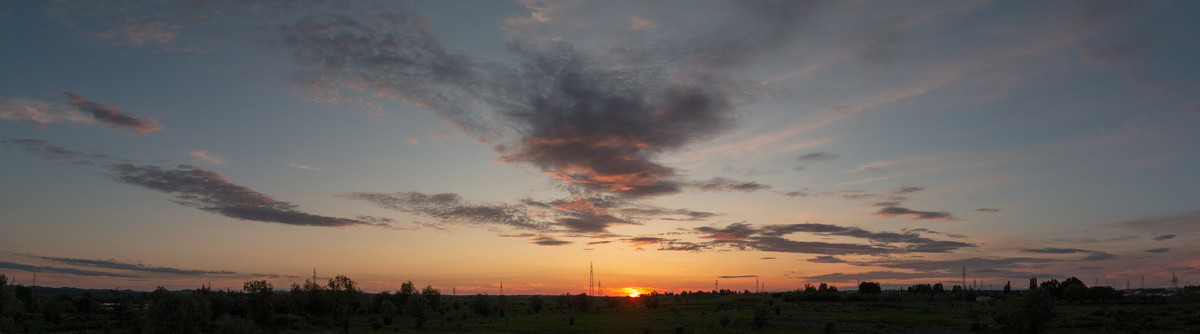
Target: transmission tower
{"type": "Point", "coordinates": [1174, 280]}
{"type": "Point", "coordinates": [591, 279]}
{"type": "Point", "coordinates": [964, 282]}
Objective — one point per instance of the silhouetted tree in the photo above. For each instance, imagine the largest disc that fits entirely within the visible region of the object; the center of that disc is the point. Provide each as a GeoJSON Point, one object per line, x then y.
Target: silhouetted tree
{"type": "Point", "coordinates": [259, 294]}
{"type": "Point", "coordinates": [869, 288]}
{"type": "Point", "coordinates": [1053, 287]}
{"type": "Point", "coordinates": [345, 299]}
{"type": "Point", "coordinates": [433, 297]}
{"type": "Point", "coordinates": [535, 304]}
{"type": "Point", "coordinates": [418, 307]}
{"type": "Point", "coordinates": [1028, 313]}
{"type": "Point", "coordinates": [481, 304]}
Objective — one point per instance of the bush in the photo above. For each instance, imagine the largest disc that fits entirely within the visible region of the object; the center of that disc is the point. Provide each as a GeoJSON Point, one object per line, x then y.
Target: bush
{"type": "Point", "coordinates": [1028, 313]}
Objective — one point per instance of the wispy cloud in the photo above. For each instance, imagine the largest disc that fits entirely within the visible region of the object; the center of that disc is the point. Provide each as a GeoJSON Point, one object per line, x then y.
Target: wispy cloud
{"type": "Point", "coordinates": [61, 270]}
{"type": "Point", "coordinates": [724, 184]}
{"type": "Point", "coordinates": [205, 157]}
{"type": "Point", "coordinates": [1164, 237]}
{"type": "Point", "coordinates": [191, 186]}
{"type": "Point", "coordinates": [41, 113]}
{"type": "Point", "coordinates": [304, 167]}
{"type": "Point", "coordinates": [1158, 250]}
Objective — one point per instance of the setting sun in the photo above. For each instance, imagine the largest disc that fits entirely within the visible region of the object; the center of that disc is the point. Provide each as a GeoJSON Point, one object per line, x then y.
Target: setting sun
{"type": "Point", "coordinates": [633, 292]}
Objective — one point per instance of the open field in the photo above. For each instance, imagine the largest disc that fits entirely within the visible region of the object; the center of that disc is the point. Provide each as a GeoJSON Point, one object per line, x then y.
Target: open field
{"type": "Point", "coordinates": [704, 312]}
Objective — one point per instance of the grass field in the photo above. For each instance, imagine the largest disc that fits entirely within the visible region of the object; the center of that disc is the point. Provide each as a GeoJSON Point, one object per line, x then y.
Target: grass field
{"type": "Point", "coordinates": [702, 316]}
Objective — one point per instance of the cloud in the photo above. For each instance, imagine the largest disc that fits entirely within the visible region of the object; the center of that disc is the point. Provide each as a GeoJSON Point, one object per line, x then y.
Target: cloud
{"type": "Point", "coordinates": [113, 116]}
{"type": "Point", "coordinates": [766, 258]}
{"type": "Point", "coordinates": [1098, 256]}
{"type": "Point", "coordinates": [40, 113]}
{"type": "Point", "coordinates": [869, 276]}
{"type": "Point", "coordinates": [1050, 250]}
{"type": "Point", "coordinates": [191, 186]}
{"type": "Point", "coordinates": [60, 270]}
{"type": "Point", "coordinates": [559, 109]}
{"type": "Point", "coordinates": [599, 242]}
{"type": "Point", "coordinates": [450, 208]}
{"type": "Point", "coordinates": [1164, 237]}
{"type": "Point", "coordinates": [1092, 255]}
{"type": "Point", "coordinates": [114, 264]}
{"type": "Point", "coordinates": [549, 241]}
{"type": "Point", "coordinates": [890, 209]}
{"type": "Point", "coordinates": [738, 276]}
{"type": "Point", "coordinates": [411, 141]}
{"type": "Point", "coordinates": [724, 184]}
{"type": "Point", "coordinates": [206, 157]}
{"type": "Point", "coordinates": [1158, 250]}
{"type": "Point", "coordinates": [826, 259]}
{"type": "Point", "coordinates": [664, 214]}
{"type": "Point", "coordinates": [987, 210]}
{"type": "Point", "coordinates": [304, 167]}
{"type": "Point", "coordinates": [907, 190]}
{"type": "Point", "coordinates": [587, 215]}
{"type": "Point", "coordinates": [818, 157]}
{"type": "Point", "coordinates": [814, 158]}
{"type": "Point", "coordinates": [743, 236]}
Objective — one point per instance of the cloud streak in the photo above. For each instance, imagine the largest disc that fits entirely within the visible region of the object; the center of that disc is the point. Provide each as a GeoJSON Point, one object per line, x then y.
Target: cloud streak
{"type": "Point", "coordinates": [79, 109]}
{"type": "Point", "coordinates": [61, 270]}
{"type": "Point", "coordinates": [192, 187]}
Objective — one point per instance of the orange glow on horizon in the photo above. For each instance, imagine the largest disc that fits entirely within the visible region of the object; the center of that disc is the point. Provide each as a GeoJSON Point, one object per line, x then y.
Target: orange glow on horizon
{"type": "Point", "coordinates": [632, 292]}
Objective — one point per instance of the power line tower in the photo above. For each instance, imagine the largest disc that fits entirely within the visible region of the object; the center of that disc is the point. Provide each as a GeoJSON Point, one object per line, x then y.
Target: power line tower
{"type": "Point", "coordinates": [964, 282]}
{"type": "Point", "coordinates": [591, 279]}
{"type": "Point", "coordinates": [717, 286]}
{"type": "Point", "coordinates": [501, 288]}
{"type": "Point", "coordinates": [1174, 281]}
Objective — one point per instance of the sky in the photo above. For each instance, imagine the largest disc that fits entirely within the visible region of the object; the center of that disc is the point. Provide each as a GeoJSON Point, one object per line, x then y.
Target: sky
{"type": "Point", "coordinates": [671, 145]}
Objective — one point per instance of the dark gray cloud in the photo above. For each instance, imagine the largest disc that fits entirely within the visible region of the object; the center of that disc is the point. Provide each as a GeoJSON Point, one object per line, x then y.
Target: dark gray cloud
{"type": "Point", "coordinates": [1092, 255]}
{"type": "Point", "coordinates": [549, 241]}
{"type": "Point", "coordinates": [818, 157]}
{"type": "Point", "coordinates": [907, 190]}
{"type": "Point", "coordinates": [890, 210]}
{"type": "Point", "coordinates": [814, 158]}
{"type": "Point", "coordinates": [766, 258]}
{"type": "Point", "coordinates": [1158, 250]}
{"type": "Point", "coordinates": [1098, 256]}
{"type": "Point", "coordinates": [114, 264]}
{"type": "Point", "coordinates": [568, 112]}
{"type": "Point", "coordinates": [870, 276]}
{"type": "Point", "coordinates": [1164, 237]}
{"type": "Point", "coordinates": [191, 186]}
{"type": "Point", "coordinates": [987, 210]}
{"type": "Point", "coordinates": [599, 242]}
{"type": "Point", "coordinates": [40, 113]}
{"type": "Point", "coordinates": [1051, 250]}
{"type": "Point", "coordinates": [724, 184]}
{"type": "Point", "coordinates": [60, 270]}
{"type": "Point", "coordinates": [826, 259]}
{"type": "Point", "coordinates": [738, 276]}
{"type": "Point", "coordinates": [112, 116]}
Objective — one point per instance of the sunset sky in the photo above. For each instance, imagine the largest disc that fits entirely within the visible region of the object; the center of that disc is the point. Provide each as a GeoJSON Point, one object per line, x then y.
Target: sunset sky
{"type": "Point", "coordinates": [461, 144]}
